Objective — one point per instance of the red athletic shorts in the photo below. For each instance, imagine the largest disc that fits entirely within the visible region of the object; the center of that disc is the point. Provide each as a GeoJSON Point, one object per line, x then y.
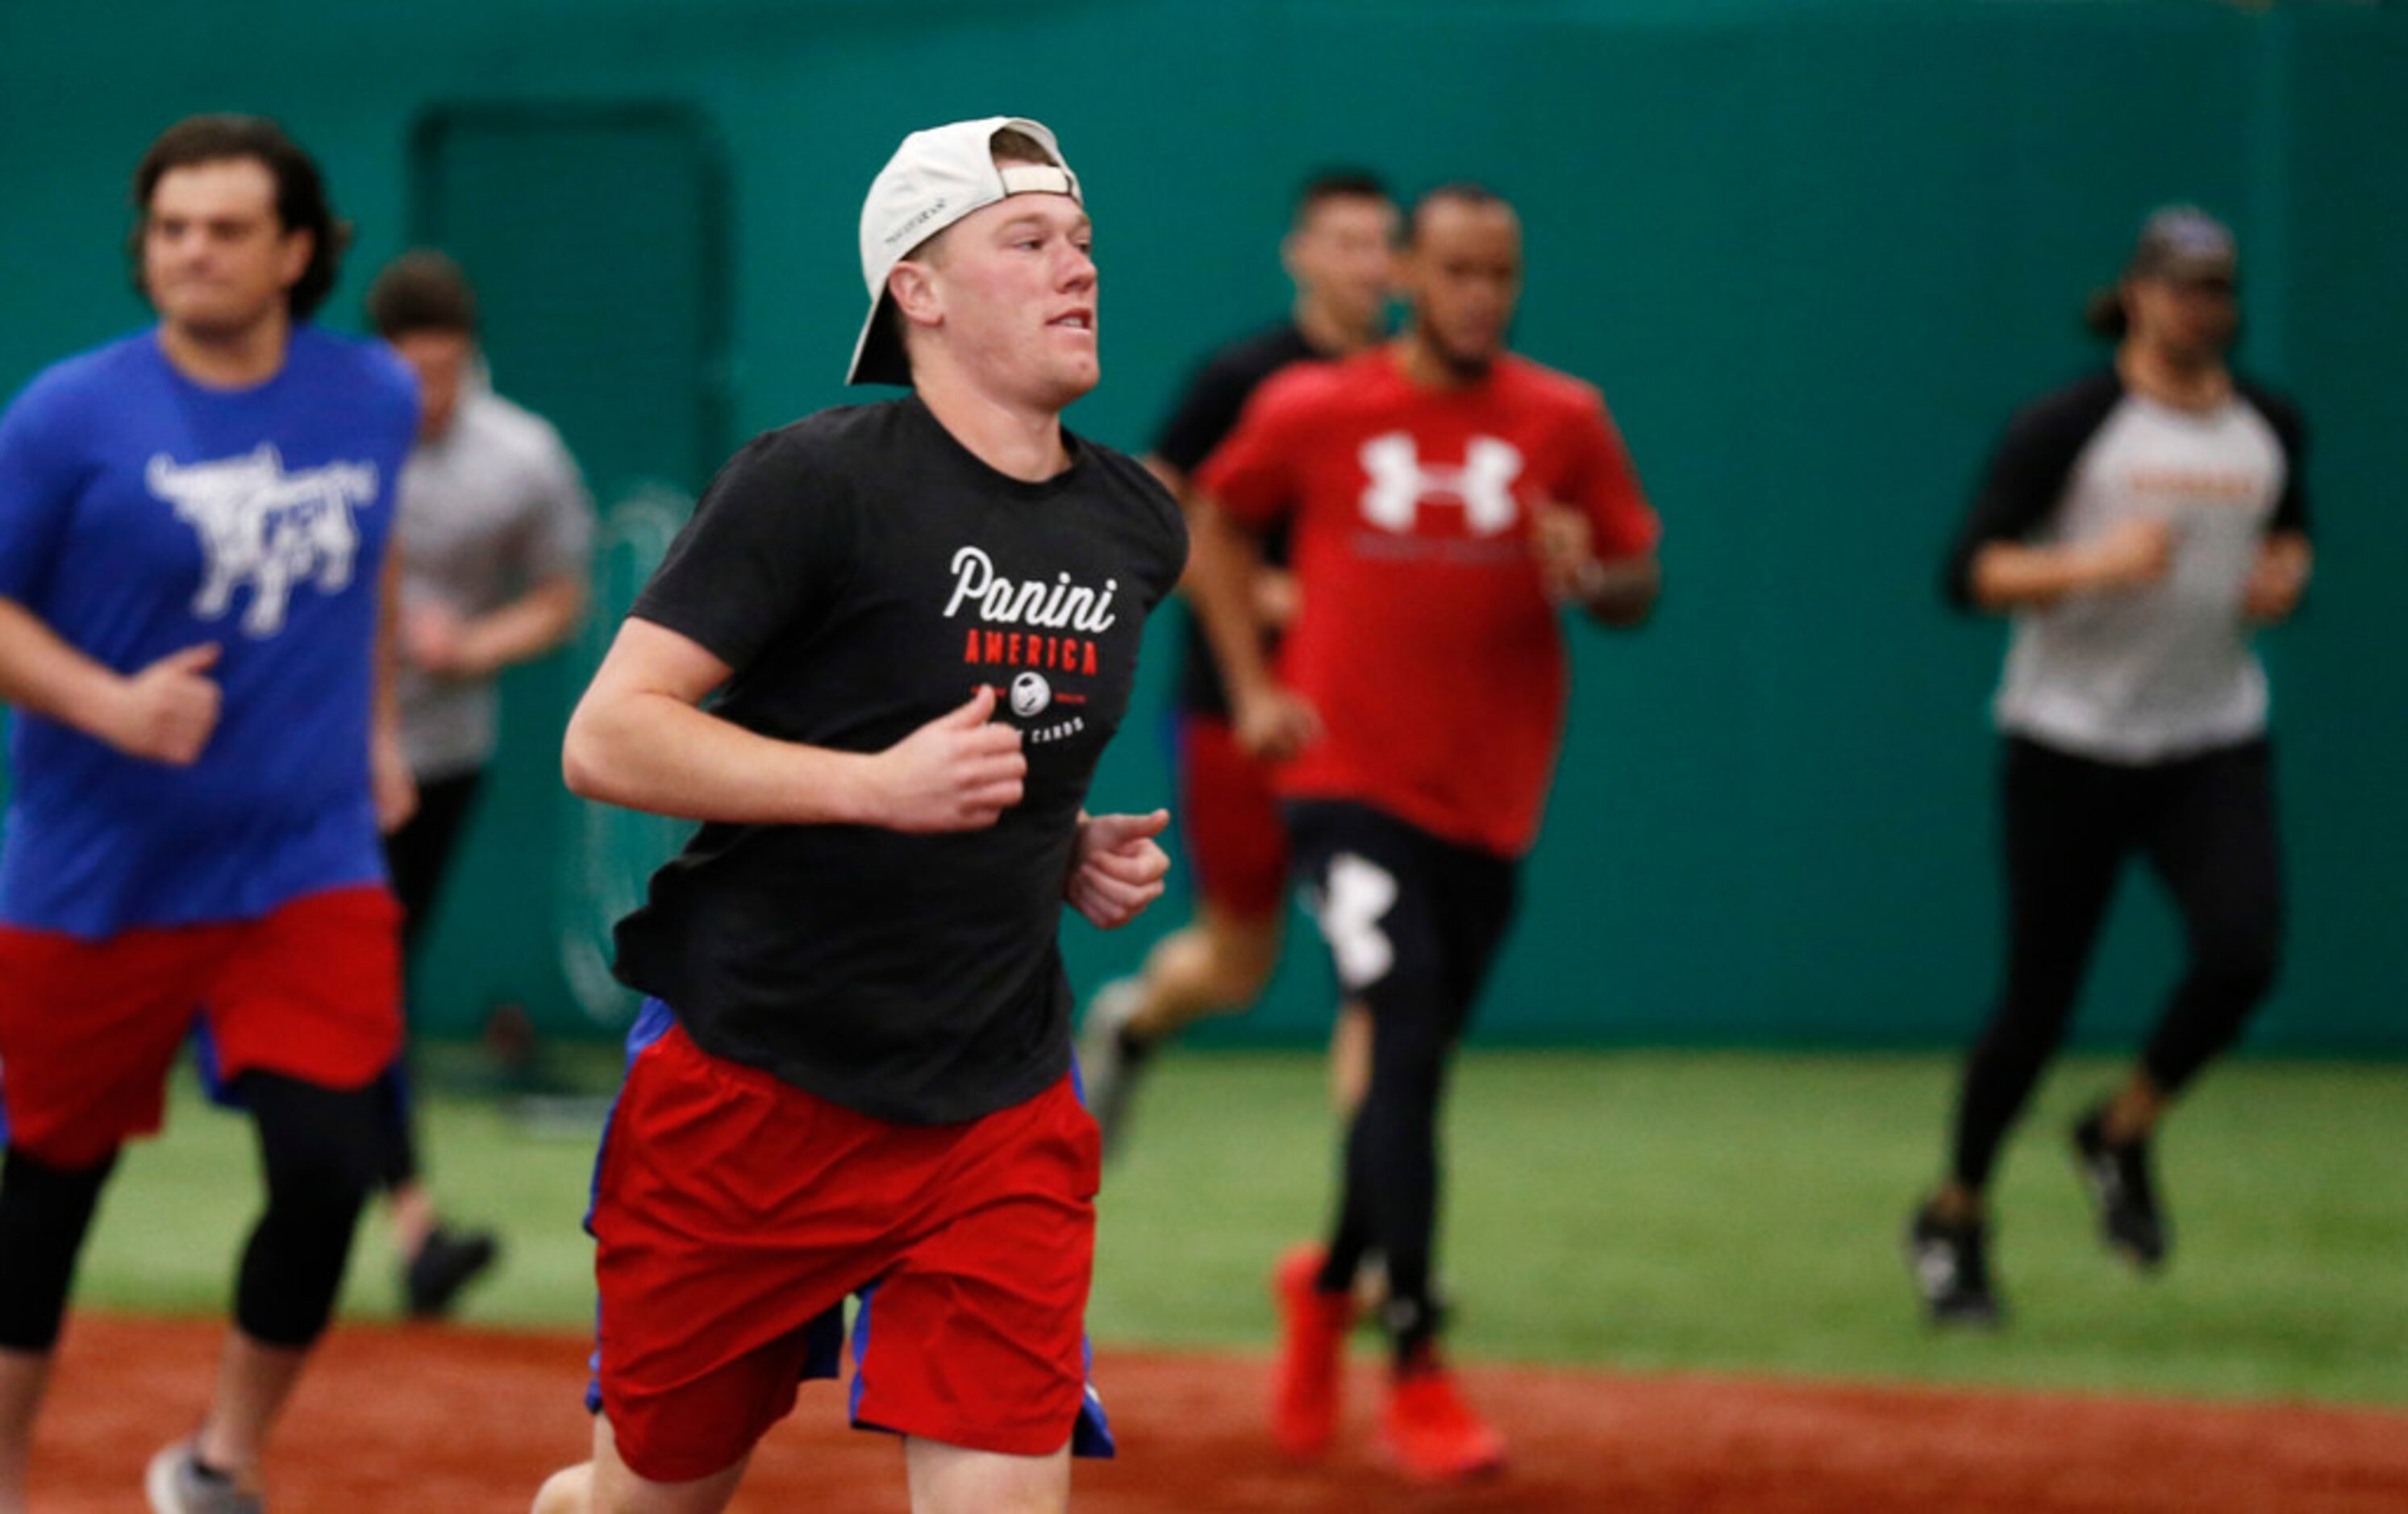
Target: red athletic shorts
{"type": "Point", "coordinates": [733, 1213]}
{"type": "Point", "coordinates": [88, 1029]}
{"type": "Point", "coordinates": [1230, 820]}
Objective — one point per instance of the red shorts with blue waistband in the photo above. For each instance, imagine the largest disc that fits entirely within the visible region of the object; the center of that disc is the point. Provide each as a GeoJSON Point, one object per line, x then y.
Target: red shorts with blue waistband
{"type": "Point", "coordinates": [88, 1029]}
{"type": "Point", "coordinates": [734, 1214]}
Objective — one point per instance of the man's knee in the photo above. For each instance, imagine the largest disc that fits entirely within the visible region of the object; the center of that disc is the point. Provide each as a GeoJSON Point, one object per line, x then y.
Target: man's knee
{"type": "Point", "coordinates": [1244, 951]}
{"type": "Point", "coordinates": [953, 1480]}
{"type": "Point", "coordinates": [319, 1145]}
{"type": "Point", "coordinates": [568, 1491]}
{"type": "Point", "coordinates": [322, 1150]}
{"type": "Point", "coordinates": [45, 1210]}
{"type": "Point", "coordinates": [1216, 966]}
{"type": "Point", "coordinates": [608, 1485]}
{"type": "Point", "coordinates": [1411, 1032]}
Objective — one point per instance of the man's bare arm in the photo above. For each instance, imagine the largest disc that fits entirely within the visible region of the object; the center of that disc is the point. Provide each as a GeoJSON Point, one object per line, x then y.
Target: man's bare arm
{"type": "Point", "coordinates": [1620, 593]}
{"type": "Point", "coordinates": [2010, 576]}
{"type": "Point", "coordinates": [638, 738]}
{"type": "Point", "coordinates": [390, 783]}
{"type": "Point", "coordinates": [2285, 561]}
{"type": "Point", "coordinates": [1223, 564]}
{"type": "Point", "coordinates": [522, 630]}
{"type": "Point", "coordinates": [163, 713]}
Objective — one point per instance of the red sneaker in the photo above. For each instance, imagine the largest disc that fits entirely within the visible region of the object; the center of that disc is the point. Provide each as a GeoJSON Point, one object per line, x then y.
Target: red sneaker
{"type": "Point", "coordinates": [1432, 1433]}
{"type": "Point", "coordinates": [1312, 1354]}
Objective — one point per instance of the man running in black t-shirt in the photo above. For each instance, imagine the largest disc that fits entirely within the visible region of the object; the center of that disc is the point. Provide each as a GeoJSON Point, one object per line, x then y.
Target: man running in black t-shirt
{"type": "Point", "coordinates": [1336, 252]}
{"type": "Point", "coordinates": [852, 1071]}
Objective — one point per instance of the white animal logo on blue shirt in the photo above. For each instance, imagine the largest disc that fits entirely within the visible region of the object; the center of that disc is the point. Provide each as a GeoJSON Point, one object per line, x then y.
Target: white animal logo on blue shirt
{"type": "Point", "coordinates": [264, 527]}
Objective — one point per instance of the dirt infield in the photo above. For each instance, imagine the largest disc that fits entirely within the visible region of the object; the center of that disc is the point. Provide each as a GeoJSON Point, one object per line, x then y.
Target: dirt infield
{"type": "Point", "coordinates": [457, 1421]}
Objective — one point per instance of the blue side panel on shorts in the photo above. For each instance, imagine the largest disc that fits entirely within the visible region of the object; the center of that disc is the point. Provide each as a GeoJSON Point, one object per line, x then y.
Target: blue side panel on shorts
{"type": "Point", "coordinates": [205, 1062]}
{"type": "Point", "coordinates": [653, 1021]}
{"type": "Point", "coordinates": [860, 1354]}
{"type": "Point", "coordinates": [1091, 1437]}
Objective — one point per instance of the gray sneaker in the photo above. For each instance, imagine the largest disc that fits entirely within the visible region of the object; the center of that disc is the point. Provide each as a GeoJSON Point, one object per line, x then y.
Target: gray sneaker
{"type": "Point", "coordinates": [1111, 1061]}
{"type": "Point", "coordinates": [177, 1485]}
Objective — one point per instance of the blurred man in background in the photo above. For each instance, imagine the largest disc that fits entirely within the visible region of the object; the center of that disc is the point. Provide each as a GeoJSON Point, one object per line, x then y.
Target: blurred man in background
{"type": "Point", "coordinates": [1336, 253]}
{"type": "Point", "coordinates": [1446, 498]}
{"type": "Point", "coordinates": [494, 536]}
{"type": "Point", "coordinates": [2137, 525]}
{"type": "Point", "coordinates": [193, 593]}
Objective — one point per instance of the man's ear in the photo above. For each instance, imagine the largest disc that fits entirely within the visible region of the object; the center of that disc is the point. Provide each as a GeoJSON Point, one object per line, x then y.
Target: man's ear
{"type": "Point", "coordinates": [292, 258]}
{"type": "Point", "coordinates": [912, 287]}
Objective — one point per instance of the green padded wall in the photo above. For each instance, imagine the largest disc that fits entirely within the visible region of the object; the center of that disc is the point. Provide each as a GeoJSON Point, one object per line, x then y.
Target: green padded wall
{"type": "Point", "coordinates": [1813, 253]}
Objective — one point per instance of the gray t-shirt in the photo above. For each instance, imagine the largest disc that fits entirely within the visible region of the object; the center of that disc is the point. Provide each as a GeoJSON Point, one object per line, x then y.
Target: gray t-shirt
{"type": "Point", "coordinates": [2150, 674]}
{"type": "Point", "coordinates": [488, 509]}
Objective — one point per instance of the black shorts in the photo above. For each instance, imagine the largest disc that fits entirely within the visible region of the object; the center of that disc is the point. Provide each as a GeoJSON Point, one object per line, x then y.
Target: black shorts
{"type": "Point", "coordinates": [1414, 922]}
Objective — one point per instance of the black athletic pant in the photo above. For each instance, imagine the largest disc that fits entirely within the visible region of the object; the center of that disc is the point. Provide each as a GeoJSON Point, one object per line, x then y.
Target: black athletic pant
{"type": "Point", "coordinates": [319, 1147]}
{"type": "Point", "coordinates": [419, 856]}
{"type": "Point", "coordinates": [2206, 825]}
{"type": "Point", "coordinates": [1412, 924]}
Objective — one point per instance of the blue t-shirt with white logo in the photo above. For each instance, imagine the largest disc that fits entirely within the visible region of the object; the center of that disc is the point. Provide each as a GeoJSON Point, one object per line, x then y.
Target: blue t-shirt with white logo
{"type": "Point", "coordinates": [142, 513]}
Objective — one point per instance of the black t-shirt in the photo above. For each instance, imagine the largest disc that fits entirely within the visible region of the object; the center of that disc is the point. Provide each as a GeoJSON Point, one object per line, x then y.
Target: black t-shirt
{"type": "Point", "coordinates": [863, 573]}
{"type": "Point", "coordinates": [1206, 412]}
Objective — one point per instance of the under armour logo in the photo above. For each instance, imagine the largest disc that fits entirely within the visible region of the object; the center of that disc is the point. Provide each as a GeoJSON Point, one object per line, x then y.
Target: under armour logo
{"type": "Point", "coordinates": [1484, 485]}
{"type": "Point", "coordinates": [1359, 894]}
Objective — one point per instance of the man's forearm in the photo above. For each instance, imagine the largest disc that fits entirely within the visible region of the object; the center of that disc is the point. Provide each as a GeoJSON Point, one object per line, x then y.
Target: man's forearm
{"type": "Point", "coordinates": [527, 627]}
{"type": "Point", "coordinates": [41, 672]}
{"type": "Point", "coordinates": [1223, 562]}
{"type": "Point", "coordinates": [1622, 592]}
{"type": "Point", "coordinates": [2294, 552]}
{"type": "Point", "coordinates": [2278, 579]}
{"type": "Point", "coordinates": [384, 708]}
{"type": "Point", "coordinates": [654, 752]}
{"type": "Point", "coordinates": [2011, 575]}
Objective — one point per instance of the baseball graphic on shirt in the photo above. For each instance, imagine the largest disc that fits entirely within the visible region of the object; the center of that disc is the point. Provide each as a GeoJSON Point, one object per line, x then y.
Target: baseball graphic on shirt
{"type": "Point", "coordinates": [1031, 694]}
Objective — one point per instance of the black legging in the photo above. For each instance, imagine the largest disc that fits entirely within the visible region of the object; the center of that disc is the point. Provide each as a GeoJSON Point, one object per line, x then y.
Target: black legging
{"type": "Point", "coordinates": [319, 1151]}
{"type": "Point", "coordinates": [420, 853]}
{"type": "Point", "coordinates": [419, 856]}
{"type": "Point", "coordinates": [1445, 913]}
{"type": "Point", "coordinates": [2206, 824]}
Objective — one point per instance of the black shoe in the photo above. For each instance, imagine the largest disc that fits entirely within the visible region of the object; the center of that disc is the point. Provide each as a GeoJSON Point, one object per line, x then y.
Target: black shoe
{"type": "Point", "coordinates": [446, 1263]}
{"type": "Point", "coordinates": [1951, 1264]}
{"type": "Point", "coordinates": [2122, 1196]}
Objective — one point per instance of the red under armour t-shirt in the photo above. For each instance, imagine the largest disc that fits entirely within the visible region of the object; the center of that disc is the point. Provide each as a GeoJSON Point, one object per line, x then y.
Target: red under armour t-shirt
{"type": "Point", "coordinates": [1426, 641]}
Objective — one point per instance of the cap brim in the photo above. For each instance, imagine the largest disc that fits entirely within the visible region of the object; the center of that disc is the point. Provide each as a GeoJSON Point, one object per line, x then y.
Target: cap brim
{"type": "Point", "coordinates": [878, 352]}
{"type": "Point", "coordinates": [2198, 270]}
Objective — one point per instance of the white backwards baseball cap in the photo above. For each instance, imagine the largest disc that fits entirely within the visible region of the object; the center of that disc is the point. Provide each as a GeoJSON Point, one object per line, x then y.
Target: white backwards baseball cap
{"type": "Point", "coordinates": [935, 178]}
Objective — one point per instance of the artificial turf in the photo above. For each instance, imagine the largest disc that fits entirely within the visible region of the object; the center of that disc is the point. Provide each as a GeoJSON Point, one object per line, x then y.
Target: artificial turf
{"type": "Point", "coordinates": [1648, 1210]}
